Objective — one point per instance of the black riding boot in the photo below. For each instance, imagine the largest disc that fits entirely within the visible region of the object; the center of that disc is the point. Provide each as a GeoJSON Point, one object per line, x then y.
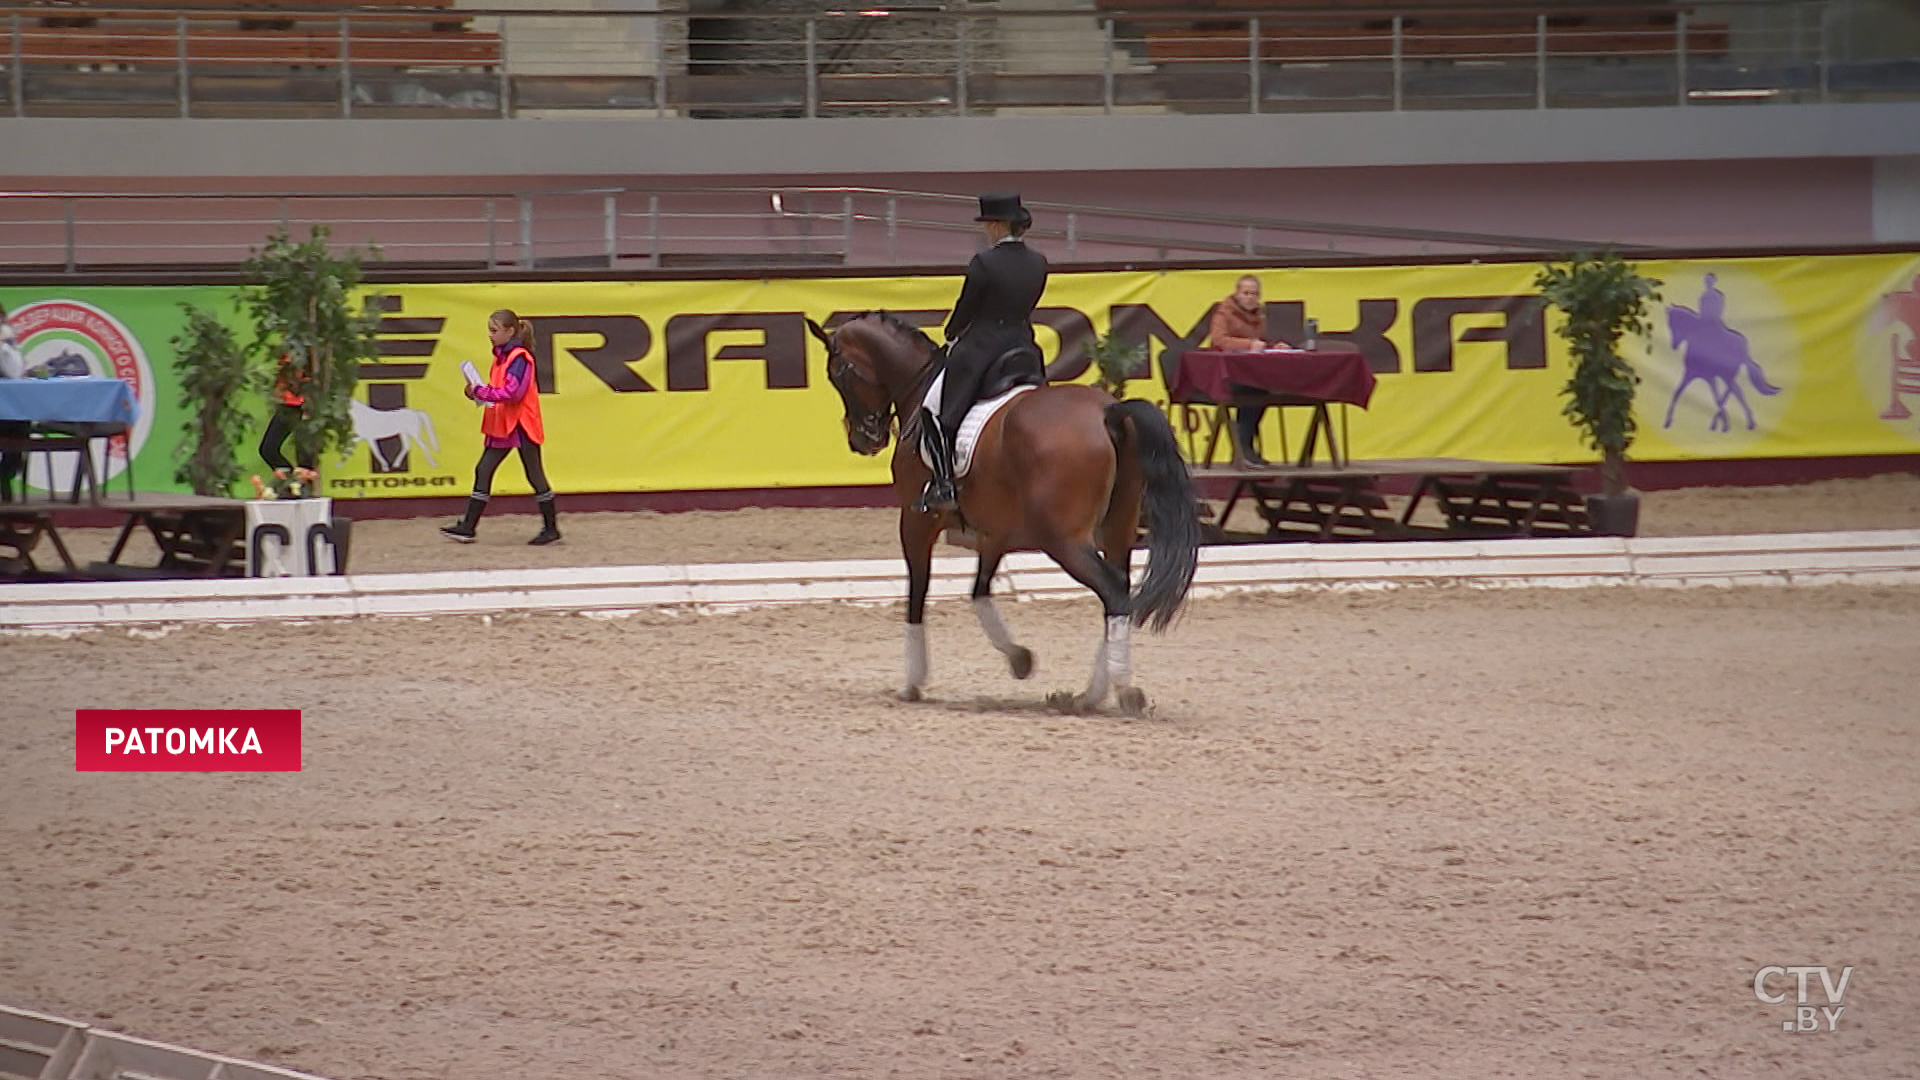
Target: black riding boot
{"type": "Point", "coordinates": [463, 529]}
{"type": "Point", "coordinates": [549, 524]}
{"type": "Point", "coordinates": [939, 494]}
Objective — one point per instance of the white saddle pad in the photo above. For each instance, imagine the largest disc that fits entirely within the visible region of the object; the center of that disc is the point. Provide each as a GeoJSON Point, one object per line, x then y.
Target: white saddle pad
{"type": "Point", "coordinates": [970, 427]}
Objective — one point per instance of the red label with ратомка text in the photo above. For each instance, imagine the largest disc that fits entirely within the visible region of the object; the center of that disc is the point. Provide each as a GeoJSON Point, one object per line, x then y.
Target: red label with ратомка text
{"type": "Point", "coordinates": [186, 740]}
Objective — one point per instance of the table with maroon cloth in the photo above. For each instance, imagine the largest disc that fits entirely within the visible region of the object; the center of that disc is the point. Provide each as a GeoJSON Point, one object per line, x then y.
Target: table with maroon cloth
{"type": "Point", "coordinates": [1314, 378]}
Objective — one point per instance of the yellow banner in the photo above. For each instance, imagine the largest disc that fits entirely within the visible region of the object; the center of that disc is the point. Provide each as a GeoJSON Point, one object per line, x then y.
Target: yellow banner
{"type": "Point", "coordinates": [652, 386]}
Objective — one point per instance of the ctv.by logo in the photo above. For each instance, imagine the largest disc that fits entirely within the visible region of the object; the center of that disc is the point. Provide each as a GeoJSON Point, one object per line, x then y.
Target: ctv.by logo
{"type": "Point", "coordinates": [1806, 1016]}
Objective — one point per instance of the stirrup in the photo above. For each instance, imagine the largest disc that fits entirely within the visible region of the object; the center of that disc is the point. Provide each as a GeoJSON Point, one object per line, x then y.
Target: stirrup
{"type": "Point", "coordinates": [936, 497]}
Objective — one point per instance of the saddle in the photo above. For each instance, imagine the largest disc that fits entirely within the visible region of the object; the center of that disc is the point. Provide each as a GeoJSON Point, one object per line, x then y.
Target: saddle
{"type": "Point", "coordinates": [1021, 365]}
{"type": "Point", "coordinates": [971, 425]}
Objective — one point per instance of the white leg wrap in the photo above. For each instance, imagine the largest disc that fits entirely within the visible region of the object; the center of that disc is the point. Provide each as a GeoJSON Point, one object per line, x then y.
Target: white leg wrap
{"type": "Point", "coordinates": [996, 631]}
{"type": "Point", "coordinates": [1119, 650]}
{"type": "Point", "coordinates": [916, 655]}
{"type": "Point", "coordinates": [1098, 685]}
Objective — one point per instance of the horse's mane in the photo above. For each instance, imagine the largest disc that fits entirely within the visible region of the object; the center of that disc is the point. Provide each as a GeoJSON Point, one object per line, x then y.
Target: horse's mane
{"type": "Point", "coordinates": [899, 326]}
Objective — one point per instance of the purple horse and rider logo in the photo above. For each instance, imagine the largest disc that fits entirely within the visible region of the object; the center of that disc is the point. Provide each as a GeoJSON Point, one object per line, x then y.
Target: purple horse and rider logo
{"type": "Point", "coordinates": [1716, 354]}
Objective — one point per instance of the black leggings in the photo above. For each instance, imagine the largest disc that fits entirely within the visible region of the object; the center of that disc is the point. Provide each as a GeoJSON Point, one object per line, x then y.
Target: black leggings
{"type": "Point", "coordinates": [490, 460]}
{"type": "Point", "coordinates": [279, 428]}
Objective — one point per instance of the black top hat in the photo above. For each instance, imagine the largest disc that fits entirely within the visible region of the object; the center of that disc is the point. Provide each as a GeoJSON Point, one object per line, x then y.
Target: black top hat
{"type": "Point", "coordinates": [1003, 206]}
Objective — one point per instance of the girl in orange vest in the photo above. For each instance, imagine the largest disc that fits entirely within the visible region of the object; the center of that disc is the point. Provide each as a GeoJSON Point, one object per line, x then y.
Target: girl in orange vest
{"type": "Point", "coordinates": [511, 421]}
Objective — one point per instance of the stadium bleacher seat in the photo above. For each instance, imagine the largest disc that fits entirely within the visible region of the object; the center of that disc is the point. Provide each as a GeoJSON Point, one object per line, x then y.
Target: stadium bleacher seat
{"type": "Point", "coordinates": [1217, 30]}
{"type": "Point", "coordinates": [422, 32]}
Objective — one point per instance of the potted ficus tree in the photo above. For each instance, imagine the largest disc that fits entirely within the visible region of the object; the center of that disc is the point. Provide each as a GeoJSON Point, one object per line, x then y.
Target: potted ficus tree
{"type": "Point", "coordinates": [1603, 299]}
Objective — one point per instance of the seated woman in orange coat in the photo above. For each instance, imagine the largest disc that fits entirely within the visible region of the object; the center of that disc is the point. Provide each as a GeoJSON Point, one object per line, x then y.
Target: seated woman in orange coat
{"type": "Point", "coordinates": [1240, 325]}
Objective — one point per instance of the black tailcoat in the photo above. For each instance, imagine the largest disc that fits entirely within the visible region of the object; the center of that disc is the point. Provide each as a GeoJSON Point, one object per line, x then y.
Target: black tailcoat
{"type": "Point", "coordinates": [990, 346]}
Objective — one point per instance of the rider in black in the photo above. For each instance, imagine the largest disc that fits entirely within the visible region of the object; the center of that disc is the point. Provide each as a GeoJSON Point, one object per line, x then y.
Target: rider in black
{"type": "Point", "coordinates": [990, 346]}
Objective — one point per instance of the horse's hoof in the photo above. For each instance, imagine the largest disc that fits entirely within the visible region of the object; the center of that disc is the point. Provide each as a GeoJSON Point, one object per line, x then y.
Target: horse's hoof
{"type": "Point", "coordinates": [1020, 661]}
{"type": "Point", "coordinates": [1065, 701]}
{"type": "Point", "coordinates": [910, 693]}
{"type": "Point", "coordinates": [1132, 700]}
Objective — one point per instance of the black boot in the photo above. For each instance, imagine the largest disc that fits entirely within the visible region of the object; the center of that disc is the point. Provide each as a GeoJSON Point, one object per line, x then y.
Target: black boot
{"type": "Point", "coordinates": [939, 494]}
{"type": "Point", "coordinates": [1244, 433]}
{"type": "Point", "coordinates": [549, 524]}
{"type": "Point", "coordinates": [463, 529]}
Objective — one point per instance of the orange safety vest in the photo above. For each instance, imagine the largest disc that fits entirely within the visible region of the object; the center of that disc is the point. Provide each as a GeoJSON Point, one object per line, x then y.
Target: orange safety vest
{"type": "Point", "coordinates": [501, 417]}
{"type": "Point", "coordinates": [280, 385]}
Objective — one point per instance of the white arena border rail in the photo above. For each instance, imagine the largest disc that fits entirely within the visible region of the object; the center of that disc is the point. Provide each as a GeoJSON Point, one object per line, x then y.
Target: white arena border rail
{"type": "Point", "coordinates": [39, 1047]}
{"type": "Point", "coordinates": [1881, 557]}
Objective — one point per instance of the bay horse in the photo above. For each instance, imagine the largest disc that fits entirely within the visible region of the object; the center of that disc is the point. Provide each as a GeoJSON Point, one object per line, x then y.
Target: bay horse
{"type": "Point", "coordinates": [1062, 469]}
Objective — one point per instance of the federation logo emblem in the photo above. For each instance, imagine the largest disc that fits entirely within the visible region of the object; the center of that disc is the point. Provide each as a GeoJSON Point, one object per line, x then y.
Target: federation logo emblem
{"type": "Point", "coordinates": [73, 337]}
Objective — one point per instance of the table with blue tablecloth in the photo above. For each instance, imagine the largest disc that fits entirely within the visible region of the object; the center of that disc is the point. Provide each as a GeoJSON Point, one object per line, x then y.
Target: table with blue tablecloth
{"type": "Point", "coordinates": [46, 416]}
{"type": "Point", "coordinates": [69, 401]}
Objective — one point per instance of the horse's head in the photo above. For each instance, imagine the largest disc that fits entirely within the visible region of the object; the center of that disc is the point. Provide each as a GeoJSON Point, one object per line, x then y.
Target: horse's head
{"type": "Point", "coordinates": [858, 365]}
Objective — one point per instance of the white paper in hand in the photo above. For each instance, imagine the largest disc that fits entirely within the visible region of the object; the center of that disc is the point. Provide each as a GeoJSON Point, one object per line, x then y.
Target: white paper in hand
{"type": "Point", "coordinates": [473, 378]}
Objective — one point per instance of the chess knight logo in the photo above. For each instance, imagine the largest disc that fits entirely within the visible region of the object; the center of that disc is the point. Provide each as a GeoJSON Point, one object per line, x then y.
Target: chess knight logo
{"type": "Point", "coordinates": [73, 337]}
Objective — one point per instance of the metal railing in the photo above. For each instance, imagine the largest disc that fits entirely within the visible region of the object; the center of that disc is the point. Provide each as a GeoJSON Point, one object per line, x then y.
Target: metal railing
{"type": "Point", "coordinates": [676, 228]}
{"type": "Point", "coordinates": [80, 60]}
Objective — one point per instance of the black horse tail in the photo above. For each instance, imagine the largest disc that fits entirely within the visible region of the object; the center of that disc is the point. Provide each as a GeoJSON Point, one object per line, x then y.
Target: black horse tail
{"type": "Point", "coordinates": [1759, 378]}
{"type": "Point", "coordinates": [1173, 537]}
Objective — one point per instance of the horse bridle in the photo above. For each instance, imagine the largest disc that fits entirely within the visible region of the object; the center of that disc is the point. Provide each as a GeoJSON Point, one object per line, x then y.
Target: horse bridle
{"type": "Point", "coordinates": [876, 425]}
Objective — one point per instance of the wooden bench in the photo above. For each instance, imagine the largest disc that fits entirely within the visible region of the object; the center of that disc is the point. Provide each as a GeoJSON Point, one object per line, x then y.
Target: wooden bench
{"type": "Point", "coordinates": [1536, 501]}
{"type": "Point", "coordinates": [1475, 500]}
{"type": "Point", "coordinates": [194, 540]}
{"type": "Point", "coordinates": [1322, 505]}
{"type": "Point", "coordinates": [21, 530]}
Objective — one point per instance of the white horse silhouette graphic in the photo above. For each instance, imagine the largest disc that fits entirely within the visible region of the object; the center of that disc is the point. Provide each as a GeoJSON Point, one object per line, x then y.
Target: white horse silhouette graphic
{"type": "Point", "coordinates": [413, 427]}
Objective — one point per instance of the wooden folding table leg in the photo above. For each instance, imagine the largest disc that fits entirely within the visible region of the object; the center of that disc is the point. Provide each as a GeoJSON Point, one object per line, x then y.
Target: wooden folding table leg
{"type": "Point", "coordinates": [1340, 503]}
{"type": "Point", "coordinates": [126, 530]}
{"type": "Point", "coordinates": [1189, 427]}
{"type": "Point", "coordinates": [1233, 499]}
{"type": "Point", "coordinates": [1214, 424]}
{"type": "Point", "coordinates": [60, 546]}
{"type": "Point", "coordinates": [1419, 492]}
{"type": "Point", "coordinates": [126, 443]}
{"type": "Point", "coordinates": [225, 537]}
{"type": "Point", "coordinates": [1533, 510]}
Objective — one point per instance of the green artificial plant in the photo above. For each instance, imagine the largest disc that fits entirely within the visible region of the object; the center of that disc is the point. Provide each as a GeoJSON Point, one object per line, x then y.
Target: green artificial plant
{"type": "Point", "coordinates": [1115, 361]}
{"type": "Point", "coordinates": [216, 379]}
{"type": "Point", "coordinates": [310, 327]}
{"type": "Point", "coordinates": [1603, 299]}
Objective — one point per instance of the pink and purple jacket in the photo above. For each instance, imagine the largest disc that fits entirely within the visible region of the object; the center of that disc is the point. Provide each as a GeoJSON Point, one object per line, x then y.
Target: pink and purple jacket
{"type": "Point", "coordinates": [519, 377]}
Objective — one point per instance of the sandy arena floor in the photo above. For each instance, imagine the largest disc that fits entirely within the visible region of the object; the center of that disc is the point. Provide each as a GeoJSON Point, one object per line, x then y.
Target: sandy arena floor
{"type": "Point", "coordinates": [1421, 834]}
{"type": "Point", "coordinates": [1882, 502]}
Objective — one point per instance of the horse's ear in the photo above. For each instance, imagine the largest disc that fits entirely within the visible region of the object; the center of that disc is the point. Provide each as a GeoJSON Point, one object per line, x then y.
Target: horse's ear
{"type": "Point", "coordinates": [820, 332]}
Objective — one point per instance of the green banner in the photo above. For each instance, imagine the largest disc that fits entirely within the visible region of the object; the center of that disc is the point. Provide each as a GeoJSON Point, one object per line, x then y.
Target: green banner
{"type": "Point", "coordinates": [123, 332]}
